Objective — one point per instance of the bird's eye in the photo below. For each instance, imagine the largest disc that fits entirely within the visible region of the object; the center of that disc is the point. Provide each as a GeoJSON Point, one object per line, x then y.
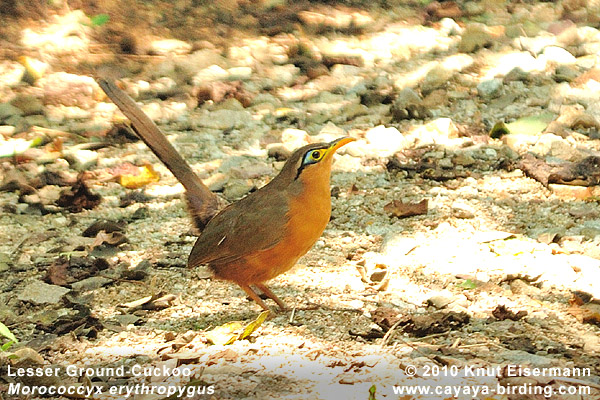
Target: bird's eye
{"type": "Point", "coordinates": [313, 156]}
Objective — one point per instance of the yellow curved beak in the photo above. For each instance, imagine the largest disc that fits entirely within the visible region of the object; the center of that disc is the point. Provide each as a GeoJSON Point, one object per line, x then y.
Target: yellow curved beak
{"type": "Point", "coordinates": [337, 143]}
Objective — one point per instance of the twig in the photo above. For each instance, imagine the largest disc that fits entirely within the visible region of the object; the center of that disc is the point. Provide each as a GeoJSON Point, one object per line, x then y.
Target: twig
{"type": "Point", "coordinates": [388, 334]}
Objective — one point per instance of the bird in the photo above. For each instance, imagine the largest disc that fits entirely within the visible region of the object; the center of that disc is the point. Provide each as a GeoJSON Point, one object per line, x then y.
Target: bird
{"type": "Point", "coordinates": [262, 235]}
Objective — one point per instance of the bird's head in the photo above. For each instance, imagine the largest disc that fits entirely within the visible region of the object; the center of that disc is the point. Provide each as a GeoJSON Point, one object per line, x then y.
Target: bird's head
{"type": "Point", "coordinates": [312, 162]}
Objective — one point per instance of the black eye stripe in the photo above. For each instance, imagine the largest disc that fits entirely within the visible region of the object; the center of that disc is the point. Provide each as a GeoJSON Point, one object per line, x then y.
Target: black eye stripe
{"type": "Point", "coordinates": [310, 157]}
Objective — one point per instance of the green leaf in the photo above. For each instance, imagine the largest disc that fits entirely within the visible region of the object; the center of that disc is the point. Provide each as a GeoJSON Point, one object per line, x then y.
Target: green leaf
{"type": "Point", "coordinates": [372, 391]}
{"type": "Point", "coordinates": [252, 326]}
{"type": "Point", "coordinates": [4, 331]}
{"type": "Point", "coordinates": [13, 147]}
{"type": "Point", "coordinates": [99, 20]}
{"type": "Point", "coordinates": [6, 346]}
{"type": "Point", "coordinates": [467, 284]}
{"type": "Point", "coordinates": [235, 330]}
{"type": "Point", "coordinates": [500, 129]}
{"type": "Point", "coordinates": [531, 125]}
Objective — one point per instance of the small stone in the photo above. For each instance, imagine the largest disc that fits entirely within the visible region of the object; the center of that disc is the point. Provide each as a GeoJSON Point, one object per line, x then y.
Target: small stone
{"type": "Point", "coordinates": [558, 55]}
{"type": "Point", "coordinates": [439, 301]}
{"type": "Point", "coordinates": [11, 73]}
{"type": "Point", "coordinates": [517, 75]}
{"type": "Point", "coordinates": [28, 356]}
{"type": "Point", "coordinates": [565, 73]}
{"type": "Point", "coordinates": [444, 127]}
{"type": "Point", "coordinates": [30, 105]}
{"type": "Point", "coordinates": [216, 182]}
{"type": "Point", "coordinates": [449, 27]}
{"type": "Point", "coordinates": [283, 75]}
{"type": "Point", "coordinates": [436, 78]}
{"type": "Point", "coordinates": [475, 37]}
{"type": "Point", "coordinates": [7, 130]}
{"type": "Point", "coordinates": [212, 73]}
{"type": "Point", "coordinates": [519, 142]}
{"type": "Point", "coordinates": [518, 286]}
{"type": "Point", "coordinates": [5, 262]}
{"type": "Point", "coordinates": [222, 119]}
{"type": "Point", "coordinates": [591, 342]}
{"type": "Point", "coordinates": [294, 138]}
{"type": "Point", "coordinates": [408, 104]}
{"type": "Point", "coordinates": [91, 283]}
{"type": "Point", "coordinates": [187, 66]}
{"type": "Point", "coordinates": [463, 210]}
{"type": "Point", "coordinates": [165, 47]}
{"type": "Point", "coordinates": [239, 73]}
{"type": "Point", "coordinates": [344, 71]}
{"type": "Point", "coordinates": [81, 160]}
{"type": "Point", "coordinates": [384, 142]}
{"type": "Point", "coordinates": [464, 159]}
{"type": "Point", "coordinates": [574, 192]}
{"type": "Point", "coordinates": [490, 89]}
{"type": "Point", "coordinates": [126, 319]}
{"type": "Point", "coordinates": [39, 292]}
{"type": "Point", "coordinates": [7, 111]}
{"type": "Point", "coordinates": [66, 89]}
{"type": "Point", "coordinates": [446, 163]}
{"type": "Point", "coordinates": [552, 145]}
{"type": "Point", "coordinates": [378, 275]}
{"type": "Point", "coordinates": [490, 154]}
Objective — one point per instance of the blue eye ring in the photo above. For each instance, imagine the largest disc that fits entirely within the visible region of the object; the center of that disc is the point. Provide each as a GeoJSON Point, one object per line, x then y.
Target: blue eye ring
{"type": "Point", "coordinates": [313, 156]}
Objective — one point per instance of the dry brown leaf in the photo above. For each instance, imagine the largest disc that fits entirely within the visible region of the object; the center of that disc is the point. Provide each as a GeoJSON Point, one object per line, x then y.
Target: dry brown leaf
{"type": "Point", "coordinates": [144, 176]}
{"type": "Point", "coordinates": [78, 197]}
{"type": "Point", "coordinates": [228, 355]}
{"type": "Point", "coordinates": [235, 330]}
{"type": "Point", "coordinates": [399, 209]}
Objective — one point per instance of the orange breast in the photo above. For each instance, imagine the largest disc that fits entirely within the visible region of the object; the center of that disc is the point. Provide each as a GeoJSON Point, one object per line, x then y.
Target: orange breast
{"type": "Point", "coordinates": [309, 214]}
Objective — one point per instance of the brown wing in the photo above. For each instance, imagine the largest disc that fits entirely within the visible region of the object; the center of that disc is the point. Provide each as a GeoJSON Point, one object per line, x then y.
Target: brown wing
{"type": "Point", "coordinates": [256, 222]}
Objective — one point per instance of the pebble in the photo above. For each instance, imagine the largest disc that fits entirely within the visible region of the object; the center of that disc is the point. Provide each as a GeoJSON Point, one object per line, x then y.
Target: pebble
{"type": "Point", "coordinates": [11, 73]}
{"type": "Point", "coordinates": [475, 37]}
{"type": "Point", "coordinates": [222, 119]}
{"type": "Point", "coordinates": [440, 301]}
{"type": "Point", "coordinates": [383, 142]}
{"type": "Point", "coordinates": [490, 89]}
{"type": "Point", "coordinates": [464, 159]}
{"type": "Point", "coordinates": [7, 111]}
{"type": "Point", "coordinates": [209, 74]}
{"type": "Point", "coordinates": [81, 160]}
{"type": "Point", "coordinates": [462, 210]}
{"type": "Point", "coordinates": [557, 55]}
{"type": "Point", "coordinates": [449, 27]}
{"type": "Point", "coordinates": [282, 75]}
{"type": "Point", "coordinates": [549, 144]}
{"type": "Point", "coordinates": [436, 78]}
{"type": "Point", "coordinates": [91, 283]}
{"type": "Point", "coordinates": [70, 90]}
{"type": "Point", "coordinates": [187, 66]}
{"type": "Point", "coordinates": [28, 104]}
{"type": "Point", "coordinates": [164, 47]}
{"type": "Point", "coordinates": [294, 138]}
{"type": "Point", "coordinates": [239, 73]}
{"type": "Point", "coordinates": [565, 73]}
{"type": "Point", "coordinates": [39, 292]}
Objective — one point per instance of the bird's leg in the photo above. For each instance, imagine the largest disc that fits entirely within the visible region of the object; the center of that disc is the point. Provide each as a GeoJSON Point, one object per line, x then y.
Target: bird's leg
{"type": "Point", "coordinates": [263, 288]}
{"type": "Point", "coordinates": [254, 296]}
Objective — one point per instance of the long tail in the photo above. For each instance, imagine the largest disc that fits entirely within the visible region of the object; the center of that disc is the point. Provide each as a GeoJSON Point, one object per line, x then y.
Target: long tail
{"type": "Point", "coordinates": [203, 203]}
